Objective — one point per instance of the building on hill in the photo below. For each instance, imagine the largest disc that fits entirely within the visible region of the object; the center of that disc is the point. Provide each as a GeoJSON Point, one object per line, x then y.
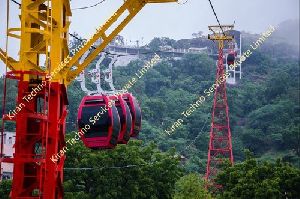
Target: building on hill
{"type": "Point", "coordinates": [8, 146]}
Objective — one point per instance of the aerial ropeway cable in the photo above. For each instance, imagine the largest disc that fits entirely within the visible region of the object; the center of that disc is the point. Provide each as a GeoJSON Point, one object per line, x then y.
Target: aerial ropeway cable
{"type": "Point", "coordinates": [16, 2]}
{"type": "Point", "coordinates": [91, 6]}
{"type": "Point", "coordinates": [212, 7]}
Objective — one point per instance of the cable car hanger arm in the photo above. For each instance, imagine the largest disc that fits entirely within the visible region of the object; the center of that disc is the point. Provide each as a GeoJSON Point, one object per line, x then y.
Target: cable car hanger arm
{"type": "Point", "coordinates": [132, 7]}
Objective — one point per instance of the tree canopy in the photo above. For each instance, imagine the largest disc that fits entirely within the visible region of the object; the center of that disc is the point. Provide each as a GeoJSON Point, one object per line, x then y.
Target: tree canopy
{"type": "Point", "coordinates": [191, 186]}
{"type": "Point", "coordinates": [253, 179]}
{"type": "Point", "coordinates": [128, 171]}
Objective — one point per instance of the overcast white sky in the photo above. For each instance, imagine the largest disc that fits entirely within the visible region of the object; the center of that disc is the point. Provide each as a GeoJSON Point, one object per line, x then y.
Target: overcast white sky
{"type": "Point", "coordinates": [171, 19]}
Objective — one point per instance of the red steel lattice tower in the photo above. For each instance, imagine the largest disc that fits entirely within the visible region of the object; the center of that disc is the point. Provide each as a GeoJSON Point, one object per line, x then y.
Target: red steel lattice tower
{"type": "Point", "coordinates": [41, 105]}
{"type": "Point", "coordinates": [220, 146]}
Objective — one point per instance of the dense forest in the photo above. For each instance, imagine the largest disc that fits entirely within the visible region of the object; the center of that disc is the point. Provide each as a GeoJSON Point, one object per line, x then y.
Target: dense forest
{"type": "Point", "coordinates": [264, 118]}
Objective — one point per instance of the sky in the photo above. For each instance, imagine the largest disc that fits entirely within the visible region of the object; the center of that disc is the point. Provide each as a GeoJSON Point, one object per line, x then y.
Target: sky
{"type": "Point", "coordinates": [173, 20]}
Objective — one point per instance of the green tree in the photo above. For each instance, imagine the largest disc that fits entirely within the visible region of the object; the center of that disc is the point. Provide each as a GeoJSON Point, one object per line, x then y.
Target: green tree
{"type": "Point", "coordinates": [251, 179]}
{"type": "Point", "coordinates": [191, 186]}
{"type": "Point", "coordinates": [128, 171]}
{"type": "Point", "coordinates": [5, 187]}
{"type": "Point", "coordinates": [156, 43]}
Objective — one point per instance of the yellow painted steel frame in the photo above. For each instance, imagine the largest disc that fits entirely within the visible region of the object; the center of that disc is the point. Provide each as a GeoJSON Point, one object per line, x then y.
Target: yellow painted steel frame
{"type": "Point", "coordinates": [220, 34]}
{"type": "Point", "coordinates": [12, 64]}
{"type": "Point", "coordinates": [130, 8]}
{"type": "Point", "coordinates": [43, 29]}
{"type": "Point", "coordinates": [43, 34]}
{"type": "Point", "coordinates": [38, 37]}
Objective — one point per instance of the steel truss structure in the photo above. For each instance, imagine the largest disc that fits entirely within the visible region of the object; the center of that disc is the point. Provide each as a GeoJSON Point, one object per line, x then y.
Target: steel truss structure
{"type": "Point", "coordinates": [220, 146]}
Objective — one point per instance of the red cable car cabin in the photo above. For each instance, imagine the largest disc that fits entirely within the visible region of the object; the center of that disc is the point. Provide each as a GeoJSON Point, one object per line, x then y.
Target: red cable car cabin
{"type": "Point", "coordinates": [136, 114]}
{"type": "Point", "coordinates": [104, 122]}
{"type": "Point", "coordinates": [125, 118]}
{"type": "Point", "coordinates": [230, 58]}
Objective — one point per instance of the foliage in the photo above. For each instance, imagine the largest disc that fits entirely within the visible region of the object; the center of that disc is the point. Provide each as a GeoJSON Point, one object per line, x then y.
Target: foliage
{"type": "Point", "coordinates": [5, 187]}
{"type": "Point", "coordinates": [264, 117]}
{"type": "Point", "coordinates": [11, 91]}
{"type": "Point", "coordinates": [264, 104]}
{"type": "Point", "coordinates": [191, 186]}
{"type": "Point", "coordinates": [251, 179]}
{"type": "Point", "coordinates": [156, 43]}
{"type": "Point", "coordinates": [128, 172]}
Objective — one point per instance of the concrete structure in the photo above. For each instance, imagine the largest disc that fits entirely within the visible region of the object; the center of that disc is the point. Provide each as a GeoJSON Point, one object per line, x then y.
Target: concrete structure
{"type": "Point", "coordinates": [133, 53]}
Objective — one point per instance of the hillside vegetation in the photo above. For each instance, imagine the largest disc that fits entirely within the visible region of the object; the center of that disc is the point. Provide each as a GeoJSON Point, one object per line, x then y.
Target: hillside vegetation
{"type": "Point", "coordinates": [264, 118]}
{"type": "Point", "coordinates": [264, 104]}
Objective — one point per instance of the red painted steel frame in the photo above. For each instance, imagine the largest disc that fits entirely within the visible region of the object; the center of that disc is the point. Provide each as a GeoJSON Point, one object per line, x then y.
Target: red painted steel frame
{"type": "Point", "coordinates": [39, 135]}
{"type": "Point", "coordinates": [220, 146]}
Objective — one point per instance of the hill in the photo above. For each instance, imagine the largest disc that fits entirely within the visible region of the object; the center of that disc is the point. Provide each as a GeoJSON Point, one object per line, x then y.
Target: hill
{"type": "Point", "coordinates": [264, 105]}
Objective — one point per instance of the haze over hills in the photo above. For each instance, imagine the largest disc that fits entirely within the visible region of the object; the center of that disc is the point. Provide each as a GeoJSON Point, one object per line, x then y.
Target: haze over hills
{"type": "Point", "coordinates": [288, 31]}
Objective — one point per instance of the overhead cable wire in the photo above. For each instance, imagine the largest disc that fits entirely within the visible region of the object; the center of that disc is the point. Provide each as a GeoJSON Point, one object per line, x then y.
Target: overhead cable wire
{"type": "Point", "coordinates": [212, 7]}
{"type": "Point", "coordinates": [131, 165]}
{"type": "Point", "coordinates": [16, 2]}
{"type": "Point", "coordinates": [112, 167]}
{"type": "Point", "coordinates": [74, 36]}
{"type": "Point", "coordinates": [79, 8]}
{"type": "Point", "coordinates": [193, 141]}
{"type": "Point", "coordinates": [91, 6]}
{"type": "Point", "coordinates": [182, 3]}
